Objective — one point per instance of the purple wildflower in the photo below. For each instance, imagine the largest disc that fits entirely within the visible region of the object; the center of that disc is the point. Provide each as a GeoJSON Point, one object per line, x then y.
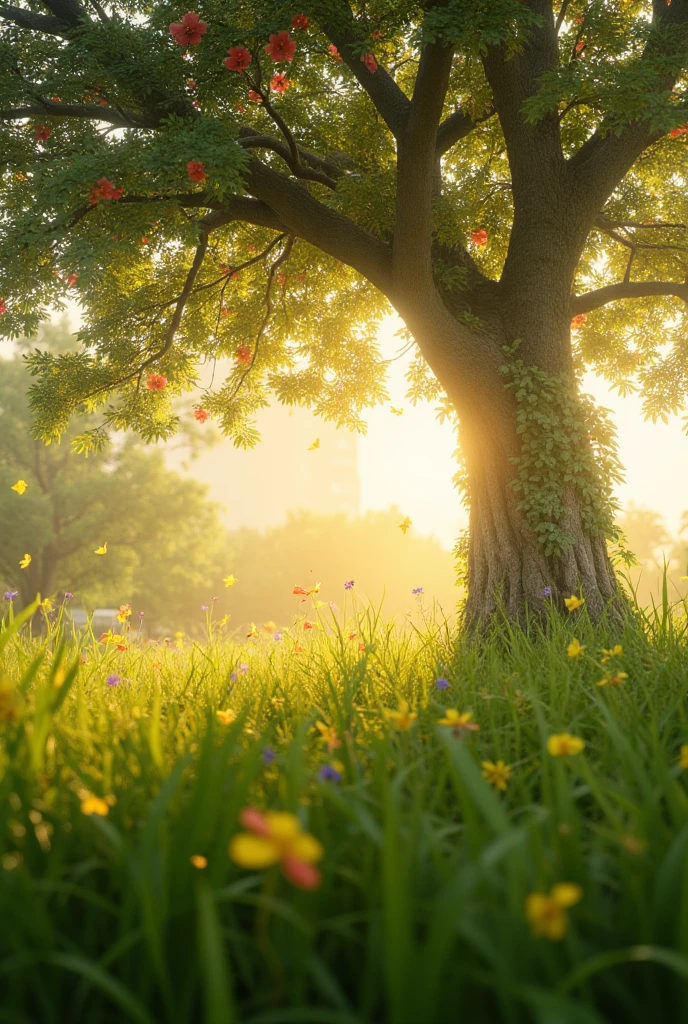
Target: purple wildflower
{"type": "Point", "coordinates": [278, 635]}
{"type": "Point", "coordinates": [547, 592]}
{"type": "Point", "coordinates": [205, 607]}
{"type": "Point", "coordinates": [269, 755]}
{"type": "Point", "coordinates": [68, 595]}
{"type": "Point", "coordinates": [243, 668]}
{"type": "Point", "coordinates": [10, 595]}
{"type": "Point", "coordinates": [349, 585]}
{"type": "Point", "coordinates": [233, 676]}
{"type": "Point", "coordinates": [141, 614]}
{"type": "Point", "coordinates": [112, 680]}
{"type": "Point", "coordinates": [329, 774]}
{"type": "Point", "coordinates": [442, 683]}
{"type": "Point", "coordinates": [417, 590]}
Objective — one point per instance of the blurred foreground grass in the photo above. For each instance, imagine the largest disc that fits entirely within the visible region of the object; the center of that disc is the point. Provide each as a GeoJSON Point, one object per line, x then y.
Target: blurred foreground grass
{"type": "Point", "coordinates": [121, 789]}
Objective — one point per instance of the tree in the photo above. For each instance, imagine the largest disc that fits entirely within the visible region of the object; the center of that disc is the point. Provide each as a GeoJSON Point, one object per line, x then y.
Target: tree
{"type": "Point", "coordinates": [164, 539]}
{"type": "Point", "coordinates": [268, 180]}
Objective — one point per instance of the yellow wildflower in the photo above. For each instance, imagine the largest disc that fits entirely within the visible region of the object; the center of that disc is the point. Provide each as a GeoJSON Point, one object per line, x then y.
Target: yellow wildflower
{"type": "Point", "coordinates": [252, 631]}
{"type": "Point", "coordinates": [20, 486]}
{"type": "Point", "coordinates": [564, 745]}
{"type": "Point", "coordinates": [573, 602]}
{"type": "Point", "coordinates": [275, 837]}
{"type": "Point", "coordinates": [124, 613]}
{"type": "Point", "coordinates": [405, 524]}
{"type": "Point", "coordinates": [459, 723]}
{"type": "Point", "coordinates": [225, 717]}
{"type": "Point", "coordinates": [313, 447]}
{"type": "Point", "coordinates": [612, 652]}
{"type": "Point", "coordinates": [230, 580]}
{"type": "Point", "coordinates": [328, 735]}
{"type": "Point", "coordinates": [198, 861]}
{"type": "Point", "coordinates": [547, 915]}
{"type": "Point", "coordinates": [575, 648]}
{"type": "Point", "coordinates": [101, 549]}
{"type": "Point", "coordinates": [497, 773]}
{"type": "Point", "coordinates": [683, 757]}
{"type": "Point", "coordinates": [25, 562]}
{"type": "Point", "coordinates": [401, 718]}
{"type": "Point", "coordinates": [95, 805]}
{"type": "Point", "coordinates": [613, 679]}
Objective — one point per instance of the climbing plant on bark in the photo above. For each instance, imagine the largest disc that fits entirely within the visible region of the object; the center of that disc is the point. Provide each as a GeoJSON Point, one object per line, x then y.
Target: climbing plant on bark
{"type": "Point", "coordinates": [260, 181]}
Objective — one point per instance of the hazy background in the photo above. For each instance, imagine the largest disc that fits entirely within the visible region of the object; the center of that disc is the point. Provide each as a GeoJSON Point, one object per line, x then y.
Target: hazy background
{"type": "Point", "coordinates": [282, 515]}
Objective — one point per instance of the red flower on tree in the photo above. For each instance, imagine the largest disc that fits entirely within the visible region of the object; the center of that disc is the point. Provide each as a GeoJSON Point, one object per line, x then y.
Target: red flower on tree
{"type": "Point", "coordinates": [156, 382]}
{"type": "Point", "coordinates": [279, 82]}
{"type": "Point", "coordinates": [71, 280]}
{"type": "Point", "coordinates": [479, 236]}
{"type": "Point", "coordinates": [254, 96]}
{"type": "Point", "coordinates": [104, 189]}
{"type": "Point", "coordinates": [370, 62]}
{"type": "Point", "coordinates": [299, 21]}
{"type": "Point", "coordinates": [239, 58]}
{"type": "Point", "coordinates": [191, 83]}
{"type": "Point", "coordinates": [578, 320]}
{"type": "Point", "coordinates": [201, 415]}
{"type": "Point", "coordinates": [196, 170]}
{"type": "Point", "coordinates": [243, 355]}
{"type": "Point", "coordinates": [676, 132]}
{"type": "Point", "coordinates": [335, 52]}
{"type": "Point", "coordinates": [3, 306]}
{"type": "Point", "coordinates": [42, 132]}
{"type": "Point", "coordinates": [188, 31]}
{"type": "Point", "coordinates": [281, 47]}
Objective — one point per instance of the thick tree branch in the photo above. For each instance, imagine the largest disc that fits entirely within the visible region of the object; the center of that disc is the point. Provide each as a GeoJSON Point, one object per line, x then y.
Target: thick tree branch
{"type": "Point", "coordinates": [300, 214]}
{"type": "Point", "coordinates": [391, 102]}
{"type": "Point", "coordinates": [457, 126]}
{"type": "Point", "coordinates": [626, 290]}
{"type": "Point", "coordinates": [607, 156]}
{"type": "Point", "coordinates": [416, 162]}
{"type": "Point", "coordinates": [69, 12]}
{"type": "Point", "coordinates": [86, 111]}
{"type": "Point", "coordinates": [24, 18]}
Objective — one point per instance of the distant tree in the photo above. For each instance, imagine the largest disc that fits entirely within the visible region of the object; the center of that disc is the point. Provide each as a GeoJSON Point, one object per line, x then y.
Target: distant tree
{"type": "Point", "coordinates": [385, 565]}
{"type": "Point", "coordinates": [163, 536]}
{"type": "Point", "coordinates": [645, 531]}
{"type": "Point", "coordinates": [264, 178]}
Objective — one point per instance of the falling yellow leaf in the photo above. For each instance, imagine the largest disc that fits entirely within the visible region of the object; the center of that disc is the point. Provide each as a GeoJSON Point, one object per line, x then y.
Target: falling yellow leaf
{"type": "Point", "coordinates": [229, 581]}
{"type": "Point", "coordinates": [312, 447]}
{"type": "Point", "coordinates": [102, 550]}
{"type": "Point", "coordinates": [397, 412]}
{"type": "Point", "coordinates": [20, 486]}
{"type": "Point", "coordinates": [405, 524]}
{"type": "Point", "coordinates": [25, 562]}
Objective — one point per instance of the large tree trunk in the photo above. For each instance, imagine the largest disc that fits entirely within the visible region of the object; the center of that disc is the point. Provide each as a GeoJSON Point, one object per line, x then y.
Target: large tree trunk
{"type": "Point", "coordinates": [507, 566]}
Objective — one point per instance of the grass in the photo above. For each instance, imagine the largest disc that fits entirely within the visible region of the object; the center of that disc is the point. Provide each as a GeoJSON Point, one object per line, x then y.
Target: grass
{"type": "Point", "coordinates": [427, 867]}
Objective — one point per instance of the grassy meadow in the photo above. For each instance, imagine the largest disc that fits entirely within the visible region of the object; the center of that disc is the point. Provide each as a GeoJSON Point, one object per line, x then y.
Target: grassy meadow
{"type": "Point", "coordinates": [468, 831]}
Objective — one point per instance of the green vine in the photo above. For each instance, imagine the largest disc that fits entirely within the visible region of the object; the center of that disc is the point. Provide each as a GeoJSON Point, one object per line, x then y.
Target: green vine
{"type": "Point", "coordinates": [566, 441]}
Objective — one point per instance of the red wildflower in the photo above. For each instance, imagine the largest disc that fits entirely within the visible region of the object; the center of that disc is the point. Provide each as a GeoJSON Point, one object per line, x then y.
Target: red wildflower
{"type": "Point", "coordinates": [104, 189]}
{"type": "Point", "coordinates": [676, 132]}
{"type": "Point", "coordinates": [156, 382]}
{"type": "Point", "coordinates": [281, 47]}
{"type": "Point", "coordinates": [55, 99]}
{"type": "Point", "coordinates": [578, 320]}
{"type": "Point", "coordinates": [335, 52]}
{"type": "Point", "coordinates": [254, 96]}
{"type": "Point", "coordinates": [196, 170]}
{"type": "Point", "coordinates": [3, 306]}
{"type": "Point", "coordinates": [279, 82]}
{"type": "Point", "coordinates": [71, 280]}
{"type": "Point", "coordinates": [243, 355]}
{"type": "Point", "coordinates": [239, 58]}
{"type": "Point", "coordinates": [299, 21]}
{"type": "Point", "coordinates": [42, 132]}
{"type": "Point", "coordinates": [201, 415]}
{"type": "Point", "coordinates": [370, 62]}
{"type": "Point", "coordinates": [479, 236]}
{"type": "Point", "coordinates": [196, 104]}
{"type": "Point", "coordinates": [189, 30]}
